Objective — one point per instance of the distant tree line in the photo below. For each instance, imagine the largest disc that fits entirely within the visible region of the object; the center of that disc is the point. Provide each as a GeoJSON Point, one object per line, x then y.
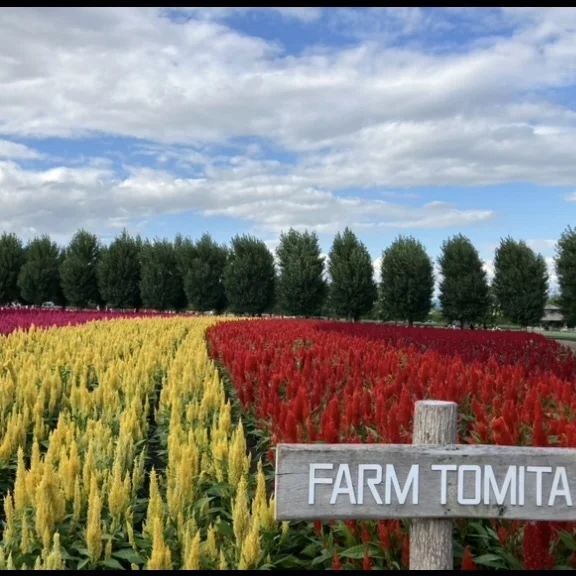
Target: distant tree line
{"type": "Point", "coordinates": [247, 278]}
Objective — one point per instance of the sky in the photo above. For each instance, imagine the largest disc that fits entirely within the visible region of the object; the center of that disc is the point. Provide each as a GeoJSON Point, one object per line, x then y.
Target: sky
{"type": "Point", "coordinates": [417, 121]}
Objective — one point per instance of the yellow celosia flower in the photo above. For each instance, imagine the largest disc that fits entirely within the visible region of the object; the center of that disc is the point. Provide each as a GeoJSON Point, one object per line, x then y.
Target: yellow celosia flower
{"type": "Point", "coordinates": [240, 512]}
{"type": "Point", "coordinates": [100, 396]}
{"type": "Point", "coordinates": [55, 561]}
{"type": "Point", "coordinates": [161, 558]}
{"type": "Point", "coordinates": [251, 548]}
{"type": "Point", "coordinates": [237, 456]}
{"type": "Point", "coordinates": [193, 555]}
{"type": "Point", "coordinates": [94, 527]}
{"type": "Point", "coordinates": [20, 492]}
{"type": "Point", "coordinates": [155, 505]}
{"type": "Point", "coordinates": [211, 546]}
{"type": "Point", "coordinates": [222, 565]}
{"type": "Point", "coordinates": [26, 536]}
{"type": "Point", "coordinates": [9, 519]}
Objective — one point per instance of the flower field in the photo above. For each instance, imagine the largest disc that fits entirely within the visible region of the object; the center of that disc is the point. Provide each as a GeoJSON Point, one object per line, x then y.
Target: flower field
{"type": "Point", "coordinates": [333, 382]}
{"type": "Point", "coordinates": [147, 442]}
{"type": "Point", "coordinates": [23, 318]}
{"type": "Point", "coordinates": [118, 451]}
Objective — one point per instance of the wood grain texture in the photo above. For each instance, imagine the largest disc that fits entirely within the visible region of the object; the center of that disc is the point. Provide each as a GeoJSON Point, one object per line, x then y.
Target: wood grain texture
{"type": "Point", "coordinates": [293, 474]}
{"type": "Point", "coordinates": [431, 545]}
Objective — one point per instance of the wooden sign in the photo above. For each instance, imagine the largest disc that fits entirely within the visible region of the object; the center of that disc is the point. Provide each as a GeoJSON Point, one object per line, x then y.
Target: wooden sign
{"type": "Point", "coordinates": [378, 481]}
{"type": "Point", "coordinates": [431, 481]}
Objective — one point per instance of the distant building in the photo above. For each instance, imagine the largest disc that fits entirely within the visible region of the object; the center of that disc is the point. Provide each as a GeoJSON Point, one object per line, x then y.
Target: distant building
{"type": "Point", "coordinates": [553, 318]}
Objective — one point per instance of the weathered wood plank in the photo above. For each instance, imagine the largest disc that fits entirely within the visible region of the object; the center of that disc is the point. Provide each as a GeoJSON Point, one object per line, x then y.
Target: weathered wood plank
{"type": "Point", "coordinates": [495, 482]}
{"type": "Point", "coordinates": [431, 546]}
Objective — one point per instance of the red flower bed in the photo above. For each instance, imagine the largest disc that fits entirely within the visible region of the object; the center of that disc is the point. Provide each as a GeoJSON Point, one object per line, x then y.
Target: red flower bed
{"type": "Point", "coordinates": [23, 318]}
{"type": "Point", "coordinates": [307, 381]}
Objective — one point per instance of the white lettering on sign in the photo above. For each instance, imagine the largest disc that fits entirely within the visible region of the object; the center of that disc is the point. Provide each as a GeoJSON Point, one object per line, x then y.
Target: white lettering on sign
{"type": "Point", "coordinates": [560, 477]}
{"type": "Point", "coordinates": [343, 484]}
{"type": "Point", "coordinates": [444, 469]}
{"type": "Point", "coordinates": [314, 480]}
{"type": "Point", "coordinates": [508, 485]}
{"type": "Point", "coordinates": [474, 484]}
{"type": "Point", "coordinates": [371, 482]}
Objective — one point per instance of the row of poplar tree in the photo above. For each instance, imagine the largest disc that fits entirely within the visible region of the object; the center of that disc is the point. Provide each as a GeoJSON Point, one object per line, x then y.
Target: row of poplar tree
{"type": "Point", "coordinates": [246, 278]}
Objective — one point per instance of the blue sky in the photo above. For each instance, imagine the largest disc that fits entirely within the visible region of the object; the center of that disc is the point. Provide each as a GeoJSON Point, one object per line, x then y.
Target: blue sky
{"type": "Point", "coordinates": [418, 121]}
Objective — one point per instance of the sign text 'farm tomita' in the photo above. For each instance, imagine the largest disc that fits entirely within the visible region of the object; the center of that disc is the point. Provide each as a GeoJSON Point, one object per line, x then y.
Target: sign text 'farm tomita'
{"type": "Point", "coordinates": [431, 482]}
{"type": "Point", "coordinates": [378, 481]}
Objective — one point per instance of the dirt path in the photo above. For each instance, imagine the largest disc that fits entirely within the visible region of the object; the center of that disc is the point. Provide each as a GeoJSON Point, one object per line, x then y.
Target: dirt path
{"type": "Point", "coordinates": [568, 343]}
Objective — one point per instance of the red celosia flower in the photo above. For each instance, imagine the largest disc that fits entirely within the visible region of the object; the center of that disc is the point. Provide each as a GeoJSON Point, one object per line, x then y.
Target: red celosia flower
{"type": "Point", "coordinates": [468, 560]}
{"type": "Point", "coordinates": [311, 381]}
{"type": "Point", "coordinates": [366, 562]}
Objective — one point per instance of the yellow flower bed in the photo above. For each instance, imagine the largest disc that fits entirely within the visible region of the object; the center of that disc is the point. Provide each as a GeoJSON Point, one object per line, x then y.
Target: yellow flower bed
{"type": "Point", "coordinates": [125, 452]}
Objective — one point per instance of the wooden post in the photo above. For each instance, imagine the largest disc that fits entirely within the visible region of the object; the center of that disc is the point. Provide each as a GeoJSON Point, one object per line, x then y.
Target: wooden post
{"type": "Point", "coordinates": [431, 538]}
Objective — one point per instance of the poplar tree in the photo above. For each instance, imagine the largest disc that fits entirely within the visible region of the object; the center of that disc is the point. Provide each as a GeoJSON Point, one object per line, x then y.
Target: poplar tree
{"type": "Point", "coordinates": [301, 285]}
{"type": "Point", "coordinates": [12, 258]}
{"type": "Point", "coordinates": [464, 286]}
{"type": "Point", "coordinates": [520, 282]}
{"type": "Point", "coordinates": [407, 281]}
{"type": "Point", "coordinates": [79, 270]}
{"type": "Point", "coordinates": [119, 272]}
{"type": "Point", "coordinates": [352, 289]}
{"type": "Point", "coordinates": [249, 276]}
{"type": "Point", "coordinates": [39, 277]}
{"type": "Point", "coordinates": [160, 281]}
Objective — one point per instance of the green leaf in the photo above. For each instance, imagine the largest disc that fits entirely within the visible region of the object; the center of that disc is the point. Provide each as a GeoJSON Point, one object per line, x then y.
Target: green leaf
{"type": "Point", "coordinates": [355, 552]}
{"type": "Point", "coordinates": [224, 528]}
{"type": "Point", "coordinates": [289, 561]}
{"type": "Point", "coordinates": [129, 555]}
{"type": "Point", "coordinates": [220, 490]}
{"type": "Point", "coordinates": [202, 501]}
{"type": "Point", "coordinates": [111, 563]}
{"type": "Point", "coordinates": [490, 560]}
{"type": "Point", "coordinates": [324, 555]}
{"type": "Point", "coordinates": [513, 562]}
{"type": "Point", "coordinates": [82, 563]}
{"type": "Point", "coordinates": [311, 550]}
{"type": "Point", "coordinates": [568, 540]}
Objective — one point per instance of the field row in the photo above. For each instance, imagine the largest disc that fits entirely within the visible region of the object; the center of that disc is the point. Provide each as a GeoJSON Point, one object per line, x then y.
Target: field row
{"type": "Point", "coordinates": [332, 382]}
{"type": "Point", "coordinates": [125, 452]}
{"type": "Point", "coordinates": [136, 443]}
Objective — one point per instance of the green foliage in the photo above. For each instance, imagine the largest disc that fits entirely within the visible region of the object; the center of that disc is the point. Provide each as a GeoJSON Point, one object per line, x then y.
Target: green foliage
{"type": "Point", "coordinates": [12, 258]}
{"type": "Point", "coordinates": [464, 287]}
{"type": "Point", "coordinates": [39, 278]}
{"type": "Point", "coordinates": [249, 276]}
{"type": "Point", "coordinates": [204, 274]}
{"type": "Point", "coordinates": [520, 282]}
{"type": "Point", "coordinates": [160, 281]}
{"type": "Point", "coordinates": [566, 271]}
{"type": "Point", "coordinates": [78, 272]}
{"type": "Point", "coordinates": [301, 285]}
{"type": "Point", "coordinates": [119, 272]}
{"type": "Point", "coordinates": [352, 289]}
{"type": "Point", "coordinates": [407, 281]}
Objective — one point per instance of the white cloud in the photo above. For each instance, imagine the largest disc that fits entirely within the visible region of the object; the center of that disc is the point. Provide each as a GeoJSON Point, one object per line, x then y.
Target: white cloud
{"type": "Point", "coordinates": [541, 244]}
{"type": "Point", "coordinates": [368, 115]}
{"type": "Point", "coordinates": [377, 264]}
{"type": "Point", "coordinates": [133, 72]}
{"type": "Point", "coordinates": [61, 199]}
{"type": "Point", "coordinates": [13, 150]}
{"type": "Point", "coordinates": [571, 197]}
{"type": "Point", "coordinates": [220, 13]}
